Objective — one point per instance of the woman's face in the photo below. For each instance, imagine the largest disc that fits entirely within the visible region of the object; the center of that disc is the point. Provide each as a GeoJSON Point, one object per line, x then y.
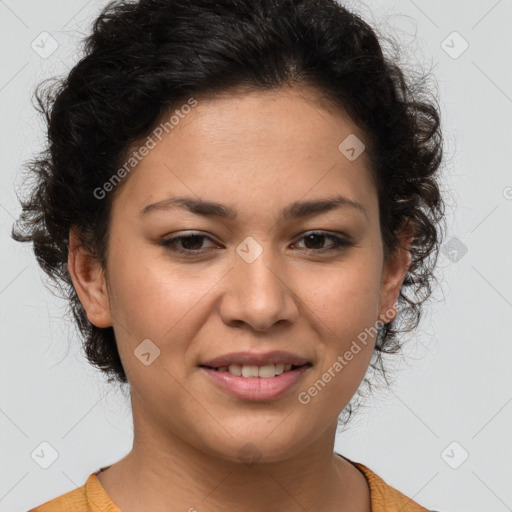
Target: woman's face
{"type": "Point", "coordinates": [255, 281]}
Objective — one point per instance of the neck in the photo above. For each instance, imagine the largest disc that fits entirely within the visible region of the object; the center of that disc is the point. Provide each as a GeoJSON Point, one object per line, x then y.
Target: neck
{"type": "Point", "coordinates": [163, 470]}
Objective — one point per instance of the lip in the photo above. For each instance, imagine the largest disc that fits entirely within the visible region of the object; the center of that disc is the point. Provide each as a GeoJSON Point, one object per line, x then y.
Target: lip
{"type": "Point", "coordinates": [257, 359]}
{"type": "Point", "coordinates": [257, 388]}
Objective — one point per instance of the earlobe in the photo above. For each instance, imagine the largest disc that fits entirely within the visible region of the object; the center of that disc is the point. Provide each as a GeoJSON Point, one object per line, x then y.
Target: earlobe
{"type": "Point", "coordinates": [89, 282]}
{"type": "Point", "coordinates": [393, 275]}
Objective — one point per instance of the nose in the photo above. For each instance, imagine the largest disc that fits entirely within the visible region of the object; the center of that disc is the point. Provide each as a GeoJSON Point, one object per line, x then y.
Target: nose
{"type": "Point", "coordinates": [259, 294]}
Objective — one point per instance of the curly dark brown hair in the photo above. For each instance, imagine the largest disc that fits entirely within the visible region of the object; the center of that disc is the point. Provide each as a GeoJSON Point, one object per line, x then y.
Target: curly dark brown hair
{"type": "Point", "coordinates": [144, 58]}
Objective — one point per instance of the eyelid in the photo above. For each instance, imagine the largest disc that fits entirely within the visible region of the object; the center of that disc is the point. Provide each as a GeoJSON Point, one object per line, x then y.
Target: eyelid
{"type": "Point", "coordinates": [188, 234]}
{"type": "Point", "coordinates": [341, 241]}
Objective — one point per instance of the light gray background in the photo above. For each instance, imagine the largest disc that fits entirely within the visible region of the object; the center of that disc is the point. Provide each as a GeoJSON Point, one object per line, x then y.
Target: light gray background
{"type": "Point", "coordinates": [455, 384]}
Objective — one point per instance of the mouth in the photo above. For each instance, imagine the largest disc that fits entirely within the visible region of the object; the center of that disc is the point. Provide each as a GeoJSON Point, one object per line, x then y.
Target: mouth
{"type": "Point", "coordinates": [257, 383]}
{"type": "Point", "coordinates": [257, 376]}
{"type": "Point", "coordinates": [254, 371]}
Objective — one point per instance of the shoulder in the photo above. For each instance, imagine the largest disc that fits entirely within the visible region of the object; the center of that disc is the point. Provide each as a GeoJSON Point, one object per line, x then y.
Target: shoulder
{"type": "Point", "coordinates": [385, 498]}
{"type": "Point", "coordinates": [90, 497]}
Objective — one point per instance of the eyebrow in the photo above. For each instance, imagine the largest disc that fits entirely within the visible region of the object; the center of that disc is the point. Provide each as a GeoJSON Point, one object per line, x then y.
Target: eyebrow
{"type": "Point", "coordinates": [298, 209]}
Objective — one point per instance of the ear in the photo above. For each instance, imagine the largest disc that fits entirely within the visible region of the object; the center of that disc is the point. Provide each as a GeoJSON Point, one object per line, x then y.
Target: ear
{"type": "Point", "coordinates": [89, 282]}
{"type": "Point", "coordinates": [393, 274]}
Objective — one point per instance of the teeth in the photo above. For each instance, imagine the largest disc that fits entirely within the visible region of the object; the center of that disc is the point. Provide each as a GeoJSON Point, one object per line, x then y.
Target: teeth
{"type": "Point", "coordinates": [235, 369]}
{"type": "Point", "coordinates": [266, 372]}
{"type": "Point", "coordinates": [249, 370]}
{"type": "Point", "coordinates": [279, 368]}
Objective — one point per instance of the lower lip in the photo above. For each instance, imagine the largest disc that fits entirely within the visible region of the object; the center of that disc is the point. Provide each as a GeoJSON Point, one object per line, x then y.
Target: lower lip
{"type": "Point", "coordinates": [257, 388]}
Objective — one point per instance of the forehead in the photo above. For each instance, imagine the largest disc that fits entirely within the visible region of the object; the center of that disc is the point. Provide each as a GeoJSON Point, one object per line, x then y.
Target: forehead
{"type": "Point", "coordinates": [254, 150]}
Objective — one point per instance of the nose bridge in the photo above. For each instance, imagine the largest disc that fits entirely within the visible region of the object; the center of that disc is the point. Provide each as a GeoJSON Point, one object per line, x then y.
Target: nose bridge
{"type": "Point", "coordinates": [257, 293]}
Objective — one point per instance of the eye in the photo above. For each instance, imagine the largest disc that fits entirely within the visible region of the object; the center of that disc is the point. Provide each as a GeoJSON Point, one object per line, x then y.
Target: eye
{"type": "Point", "coordinates": [191, 244]}
{"type": "Point", "coordinates": [317, 238]}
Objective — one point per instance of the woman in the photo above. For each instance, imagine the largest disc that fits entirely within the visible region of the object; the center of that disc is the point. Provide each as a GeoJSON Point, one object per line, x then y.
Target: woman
{"type": "Point", "coordinates": [236, 197]}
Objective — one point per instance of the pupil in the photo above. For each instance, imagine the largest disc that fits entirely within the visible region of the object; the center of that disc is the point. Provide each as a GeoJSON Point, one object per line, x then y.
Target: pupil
{"type": "Point", "coordinates": [186, 242]}
{"type": "Point", "coordinates": [309, 237]}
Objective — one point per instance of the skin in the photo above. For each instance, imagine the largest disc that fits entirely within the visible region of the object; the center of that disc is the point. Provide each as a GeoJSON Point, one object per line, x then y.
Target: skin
{"type": "Point", "coordinates": [257, 153]}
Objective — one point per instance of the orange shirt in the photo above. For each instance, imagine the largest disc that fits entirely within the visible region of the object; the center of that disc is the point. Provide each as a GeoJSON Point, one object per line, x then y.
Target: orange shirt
{"type": "Point", "coordinates": [92, 497]}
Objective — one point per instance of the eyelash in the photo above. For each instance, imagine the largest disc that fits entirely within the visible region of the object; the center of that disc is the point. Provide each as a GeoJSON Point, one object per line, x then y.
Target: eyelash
{"type": "Point", "coordinates": [339, 243]}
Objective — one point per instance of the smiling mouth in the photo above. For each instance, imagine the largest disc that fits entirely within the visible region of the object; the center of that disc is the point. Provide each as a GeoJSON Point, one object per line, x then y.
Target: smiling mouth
{"type": "Point", "coordinates": [254, 371]}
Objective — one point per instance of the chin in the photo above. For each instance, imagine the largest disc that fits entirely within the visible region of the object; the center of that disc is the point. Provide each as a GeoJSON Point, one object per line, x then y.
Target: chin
{"type": "Point", "coordinates": [263, 446]}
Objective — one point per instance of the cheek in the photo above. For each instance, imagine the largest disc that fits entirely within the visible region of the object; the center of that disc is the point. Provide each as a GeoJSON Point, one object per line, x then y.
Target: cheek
{"type": "Point", "coordinates": [151, 295]}
{"type": "Point", "coordinates": [344, 297]}
{"type": "Point", "coordinates": [343, 307]}
{"type": "Point", "coordinates": [165, 303]}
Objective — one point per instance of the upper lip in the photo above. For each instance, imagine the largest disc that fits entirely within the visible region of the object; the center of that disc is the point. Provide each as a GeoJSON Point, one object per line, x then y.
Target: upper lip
{"type": "Point", "coordinates": [257, 359]}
